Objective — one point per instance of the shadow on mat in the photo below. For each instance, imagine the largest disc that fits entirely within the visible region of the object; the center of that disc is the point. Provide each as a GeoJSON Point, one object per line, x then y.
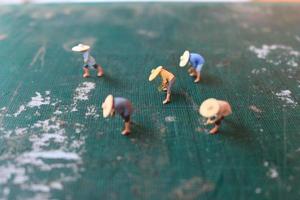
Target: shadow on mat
{"type": "Point", "coordinates": [182, 96]}
{"type": "Point", "coordinates": [110, 80]}
{"type": "Point", "coordinates": [237, 131]}
{"type": "Point", "coordinates": [141, 132]}
{"type": "Point", "coordinates": [210, 79]}
{"type": "Point", "coordinates": [178, 97]}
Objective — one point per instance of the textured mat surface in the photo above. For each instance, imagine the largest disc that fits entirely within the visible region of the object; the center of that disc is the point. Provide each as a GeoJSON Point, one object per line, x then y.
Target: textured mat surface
{"type": "Point", "coordinates": [54, 144]}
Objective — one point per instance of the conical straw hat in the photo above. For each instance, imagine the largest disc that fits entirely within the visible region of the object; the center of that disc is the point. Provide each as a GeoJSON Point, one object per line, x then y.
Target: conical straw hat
{"type": "Point", "coordinates": [184, 59]}
{"type": "Point", "coordinates": [154, 73]}
{"type": "Point", "coordinates": [107, 105]}
{"type": "Point", "coordinates": [210, 107]}
{"type": "Point", "coordinates": [80, 47]}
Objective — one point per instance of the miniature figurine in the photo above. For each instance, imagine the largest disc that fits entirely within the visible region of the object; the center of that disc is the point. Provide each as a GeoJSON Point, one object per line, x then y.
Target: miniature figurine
{"type": "Point", "coordinates": [120, 105]}
{"type": "Point", "coordinates": [214, 112]}
{"type": "Point", "coordinates": [168, 80]}
{"type": "Point", "coordinates": [196, 62]}
{"type": "Point", "coordinates": [89, 61]}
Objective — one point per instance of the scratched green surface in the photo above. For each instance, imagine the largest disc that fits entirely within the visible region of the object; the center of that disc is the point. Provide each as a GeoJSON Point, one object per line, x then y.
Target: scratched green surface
{"type": "Point", "coordinates": [45, 154]}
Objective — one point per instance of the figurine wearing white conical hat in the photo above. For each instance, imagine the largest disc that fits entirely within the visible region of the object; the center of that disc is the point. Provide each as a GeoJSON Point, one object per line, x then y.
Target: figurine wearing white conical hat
{"type": "Point", "coordinates": [122, 106]}
{"type": "Point", "coordinates": [168, 80]}
{"type": "Point", "coordinates": [214, 111]}
{"type": "Point", "coordinates": [89, 61]}
{"type": "Point", "coordinates": [195, 60]}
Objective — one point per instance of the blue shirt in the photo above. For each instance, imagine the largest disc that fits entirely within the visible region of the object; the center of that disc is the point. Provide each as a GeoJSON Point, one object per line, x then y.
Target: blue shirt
{"type": "Point", "coordinates": [196, 60]}
{"type": "Point", "coordinates": [88, 59]}
{"type": "Point", "coordinates": [122, 106]}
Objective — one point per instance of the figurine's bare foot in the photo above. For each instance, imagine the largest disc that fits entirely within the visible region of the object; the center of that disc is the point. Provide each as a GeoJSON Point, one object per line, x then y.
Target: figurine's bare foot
{"type": "Point", "coordinates": [193, 74]}
{"type": "Point", "coordinates": [125, 132]}
{"type": "Point", "coordinates": [86, 75]}
{"type": "Point", "coordinates": [166, 101]}
{"type": "Point", "coordinates": [164, 89]}
{"type": "Point", "coordinates": [86, 72]}
{"type": "Point", "coordinates": [191, 71]}
{"type": "Point", "coordinates": [214, 130]}
{"type": "Point", "coordinates": [197, 80]}
{"type": "Point", "coordinates": [100, 72]}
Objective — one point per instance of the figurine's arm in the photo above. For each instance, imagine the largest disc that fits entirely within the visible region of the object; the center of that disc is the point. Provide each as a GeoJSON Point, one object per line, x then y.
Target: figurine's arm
{"type": "Point", "coordinates": [164, 80]}
{"type": "Point", "coordinates": [85, 60]}
{"type": "Point", "coordinates": [85, 57]}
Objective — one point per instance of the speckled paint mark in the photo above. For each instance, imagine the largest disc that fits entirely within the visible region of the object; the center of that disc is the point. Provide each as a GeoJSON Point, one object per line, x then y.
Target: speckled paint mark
{"type": "Point", "coordinates": [255, 109]}
{"type": "Point", "coordinates": [192, 189]}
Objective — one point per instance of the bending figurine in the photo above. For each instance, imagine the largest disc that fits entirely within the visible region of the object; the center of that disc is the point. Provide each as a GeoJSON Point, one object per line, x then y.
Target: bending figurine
{"type": "Point", "coordinates": [168, 80]}
{"type": "Point", "coordinates": [196, 61]}
{"type": "Point", "coordinates": [89, 61]}
{"type": "Point", "coordinates": [214, 111]}
{"type": "Point", "coordinates": [122, 106]}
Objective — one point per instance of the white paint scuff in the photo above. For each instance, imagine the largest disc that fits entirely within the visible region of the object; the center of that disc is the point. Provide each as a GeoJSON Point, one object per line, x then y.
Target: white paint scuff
{"type": "Point", "coordinates": [272, 173]}
{"type": "Point", "coordinates": [36, 102]}
{"type": "Point", "coordinates": [92, 111]}
{"type": "Point", "coordinates": [56, 154]}
{"type": "Point", "coordinates": [21, 109]}
{"type": "Point", "coordinates": [257, 71]}
{"type": "Point", "coordinates": [82, 93]}
{"type": "Point", "coordinates": [170, 119]}
{"type": "Point", "coordinates": [147, 33]}
{"type": "Point", "coordinates": [277, 54]}
{"type": "Point", "coordinates": [285, 95]}
{"type": "Point", "coordinates": [51, 149]}
{"type": "Point", "coordinates": [258, 190]}
{"type": "Point", "coordinates": [39, 100]}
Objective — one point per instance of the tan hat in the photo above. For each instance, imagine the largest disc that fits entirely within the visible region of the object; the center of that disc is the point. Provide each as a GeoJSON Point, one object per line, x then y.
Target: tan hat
{"type": "Point", "coordinates": [80, 48]}
{"type": "Point", "coordinates": [210, 107]}
{"type": "Point", "coordinates": [155, 72]}
{"type": "Point", "coordinates": [107, 105]}
{"type": "Point", "coordinates": [184, 59]}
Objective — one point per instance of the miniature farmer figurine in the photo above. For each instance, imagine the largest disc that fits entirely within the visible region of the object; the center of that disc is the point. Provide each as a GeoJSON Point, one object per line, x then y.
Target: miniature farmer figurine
{"type": "Point", "coordinates": [214, 112]}
{"type": "Point", "coordinates": [168, 80]}
{"type": "Point", "coordinates": [89, 61]}
{"type": "Point", "coordinates": [196, 62]}
{"type": "Point", "coordinates": [120, 105]}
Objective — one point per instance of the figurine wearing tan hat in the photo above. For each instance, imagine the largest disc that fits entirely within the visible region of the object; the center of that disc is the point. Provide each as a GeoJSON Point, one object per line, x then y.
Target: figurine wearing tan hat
{"type": "Point", "coordinates": [168, 80]}
{"type": "Point", "coordinates": [196, 62]}
{"type": "Point", "coordinates": [122, 106]}
{"type": "Point", "coordinates": [89, 61]}
{"type": "Point", "coordinates": [214, 111]}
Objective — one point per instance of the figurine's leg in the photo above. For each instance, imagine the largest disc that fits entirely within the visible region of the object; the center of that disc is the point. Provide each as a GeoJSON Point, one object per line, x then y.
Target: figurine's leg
{"type": "Point", "coordinates": [198, 77]}
{"type": "Point", "coordinates": [99, 70]}
{"type": "Point", "coordinates": [217, 126]}
{"type": "Point", "coordinates": [198, 73]}
{"type": "Point", "coordinates": [86, 71]}
{"type": "Point", "coordinates": [127, 128]}
{"type": "Point", "coordinates": [215, 129]}
{"type": "Point", "coordinates": [192, 71]}
{"type": "Point", "coordinates": [165, 87]}
{"type": "Point", "coordinates": [168, 97]}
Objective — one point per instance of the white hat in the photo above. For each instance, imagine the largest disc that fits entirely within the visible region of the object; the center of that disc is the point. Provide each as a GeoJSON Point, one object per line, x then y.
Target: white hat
{"type": "Point", "coordinates": [155, 72]}
{"type": "Point", "coordinates": [80, 48]}
{"type": "Point", "coordinates": [184, 59]}
{"type": "Point", "coordinates": [107, 105]}
{"type": "Point", "coordinates": [210, 107]}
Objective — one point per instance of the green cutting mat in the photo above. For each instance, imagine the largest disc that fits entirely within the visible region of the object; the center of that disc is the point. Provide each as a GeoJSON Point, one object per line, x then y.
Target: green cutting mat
{"type": "Point", "coordinates": [54, 143]}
